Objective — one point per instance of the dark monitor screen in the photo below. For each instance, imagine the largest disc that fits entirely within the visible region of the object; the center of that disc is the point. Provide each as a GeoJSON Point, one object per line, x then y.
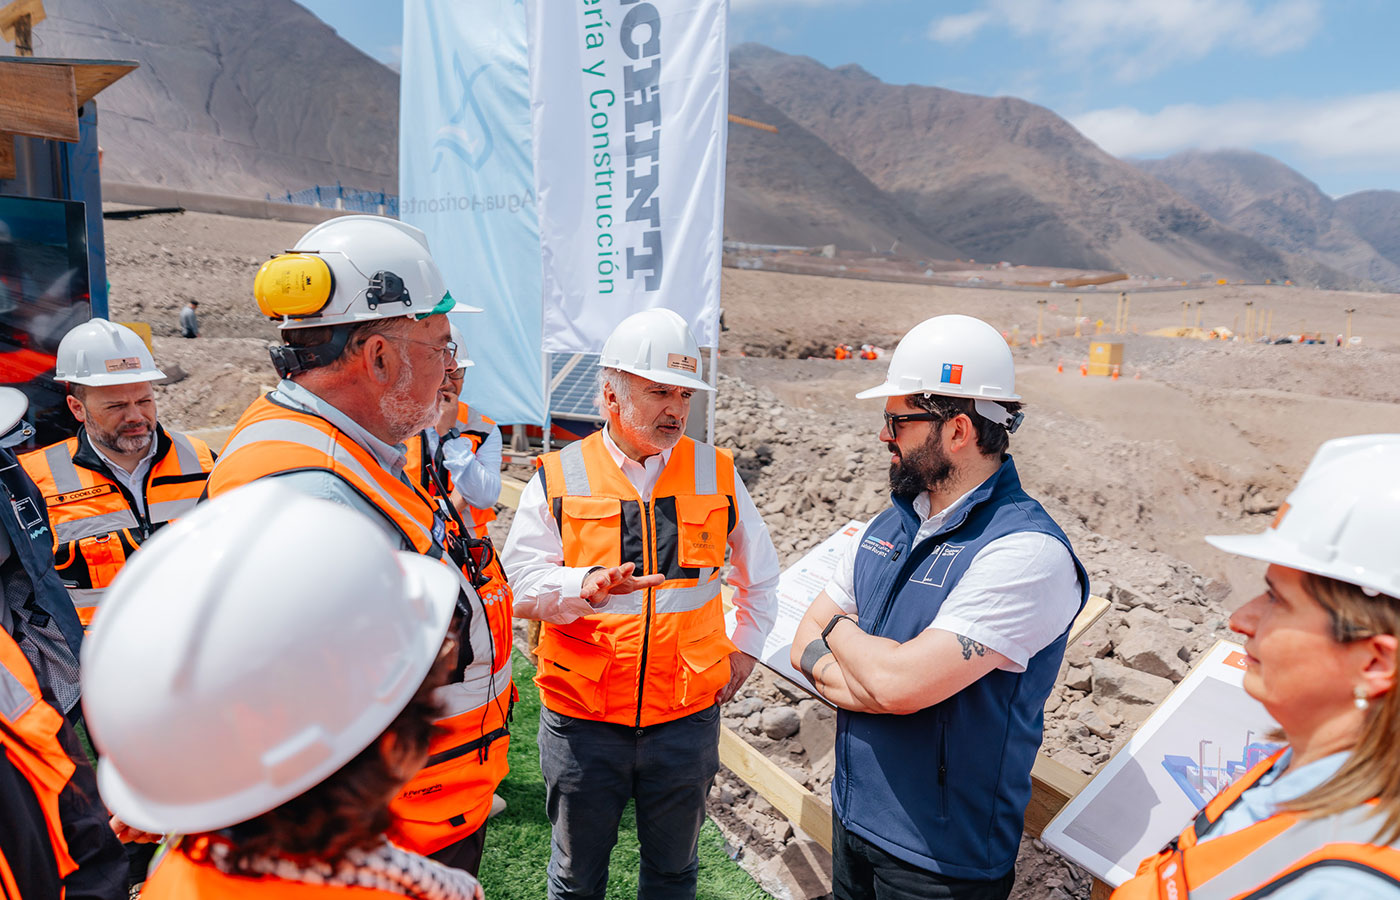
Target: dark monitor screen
{"type": "Point", "coordinates": [43, 294]}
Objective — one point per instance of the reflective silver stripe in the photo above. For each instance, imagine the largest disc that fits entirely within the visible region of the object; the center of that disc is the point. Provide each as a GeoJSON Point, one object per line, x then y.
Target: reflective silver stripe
{"type": "Point", "coordinates": [63, 532]}
{"type": "Point", "coordinates": [65, 475]}
{"type": "Point", "coordinates": [668, 600]}
{"type": "Point", "coordinates": [84, 597]}
{"type": "Point", "coordinates": [575, 470]}
{"type": "Point", "coordinates": [475, 422]}
{"type": "Point", "coordinates": [705, 463]}
{"type": "Point", "coordinates": [290, 432]}
{"type": "Point", "coordinates": [685, 599]}
{"type": "Point", "coordinates": [186, 456]}
{"type": "Point", "coordinates": [14, 699]}
{"type": "Point", "coordinates": [168, 510]}
{"type": "Point", "coordinates": [1264, 863]}
{"type": "Point", "coordinates": [474, 691]}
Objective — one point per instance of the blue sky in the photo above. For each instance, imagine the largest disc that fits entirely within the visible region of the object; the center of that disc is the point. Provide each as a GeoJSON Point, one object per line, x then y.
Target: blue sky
{"type": "Point", "coordinates": [1316, 84]}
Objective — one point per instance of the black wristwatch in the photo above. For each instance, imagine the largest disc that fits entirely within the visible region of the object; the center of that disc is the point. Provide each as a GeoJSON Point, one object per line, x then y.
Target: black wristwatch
{"type": "Point", "coordinates": [832, 624]}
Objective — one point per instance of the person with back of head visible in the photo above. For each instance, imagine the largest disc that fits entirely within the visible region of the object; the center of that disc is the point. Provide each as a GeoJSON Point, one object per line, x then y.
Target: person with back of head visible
{"type": "Point", "coordinates": [1321, 817]}
{"type": "Point", "coordinates": [367, 348]}
{"type": "Point", "coordinates": [189, 320]}
{"type": "Point", "coordinates": [54, 835]}
{"type": "Point", "coordinates": [941, 633]}
{"type": "Point", "coordinates": [264, 683]}
{"type": "Point", "coordinates": [123, 476]}
{"type": "Point", "coordinates": [617, 548]}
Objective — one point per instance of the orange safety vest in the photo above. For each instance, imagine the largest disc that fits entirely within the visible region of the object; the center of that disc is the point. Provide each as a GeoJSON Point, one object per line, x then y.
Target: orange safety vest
{"type": "Point", "coordinates": [96, 524]}
{"type": "Point", "coordinates": [1252, 861]}
{"type": "Point", "coordinates": [842, 353]}
{"type": "Point", "coordinates": [185, 874]}
{"type": "Point", "coordinates": [656, 655]}
{"type": "Point", "coordinates": [451, 796]}
{"type": "Point", "coordinates": [29, 729]}
{"type": "Point", "coordinates": [471, 426]}
{"type": "Point", "coordinates": [476, 428]}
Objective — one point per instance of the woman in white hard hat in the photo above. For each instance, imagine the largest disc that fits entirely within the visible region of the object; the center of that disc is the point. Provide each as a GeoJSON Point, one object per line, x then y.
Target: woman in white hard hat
{"type": "Point", "coordinates": [1321, 818]}
{"type": "Point", "coordinates": [268, 705]}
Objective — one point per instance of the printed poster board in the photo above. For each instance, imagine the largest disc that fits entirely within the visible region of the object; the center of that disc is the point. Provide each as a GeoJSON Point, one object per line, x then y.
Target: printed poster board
{"type": "Point", "coordinates": [1205, 735]}
{"type": "Point", "coordinates": [798, 586]}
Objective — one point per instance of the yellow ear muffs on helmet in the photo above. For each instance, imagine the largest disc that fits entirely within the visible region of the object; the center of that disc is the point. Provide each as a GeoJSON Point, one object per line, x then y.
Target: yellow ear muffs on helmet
{"type": "Point", "coordinates": [293, 284]}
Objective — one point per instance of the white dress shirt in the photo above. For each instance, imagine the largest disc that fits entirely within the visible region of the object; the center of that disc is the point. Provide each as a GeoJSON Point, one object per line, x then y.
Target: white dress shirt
{"type": "Point", "coordinates": [1019, 593]}
{"type": "Point", "coordinates": [547, 590]}
{"type": "Point", "coordinates": [476, 474]}
{"type": "Point", "coordinates": [135, 480]}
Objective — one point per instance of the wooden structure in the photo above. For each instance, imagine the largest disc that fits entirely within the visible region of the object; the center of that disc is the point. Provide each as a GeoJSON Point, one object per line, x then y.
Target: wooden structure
{"type": "Point", "coordinates": [42, 98]}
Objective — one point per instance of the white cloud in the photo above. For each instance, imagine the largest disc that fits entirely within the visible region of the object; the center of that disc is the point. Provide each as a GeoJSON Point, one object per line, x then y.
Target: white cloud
{"type": "Point", "coordinates": [1365, 127]}
{"type": "Point", "coordinates": [752, 5]}
{"type": "Point", "coordinates": [1137, 38]}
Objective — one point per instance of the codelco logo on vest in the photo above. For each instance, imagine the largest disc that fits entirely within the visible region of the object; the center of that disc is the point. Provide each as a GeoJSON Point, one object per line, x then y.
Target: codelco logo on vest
{"type": "Point", "coordinates": [702, 542]}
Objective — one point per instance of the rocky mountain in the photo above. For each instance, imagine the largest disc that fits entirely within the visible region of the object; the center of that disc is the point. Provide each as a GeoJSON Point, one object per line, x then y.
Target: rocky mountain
{"type": "Point", "coordinates": [1278, 207]}
{"type": "Point", "coordinates": [791, 188]}
{"type": "Point", "coordinates": [999, 178]}
{"type": "Point", "coordinates": [246, 97]}
{"type": "Point", "coordinates": [1375, 215]}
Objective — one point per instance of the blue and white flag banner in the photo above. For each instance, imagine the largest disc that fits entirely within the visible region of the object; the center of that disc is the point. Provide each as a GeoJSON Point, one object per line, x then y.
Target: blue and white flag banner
{"type": "Point", "coordinates": [630, 102]}
{"type": "Point", "coordinates": [466, 178]}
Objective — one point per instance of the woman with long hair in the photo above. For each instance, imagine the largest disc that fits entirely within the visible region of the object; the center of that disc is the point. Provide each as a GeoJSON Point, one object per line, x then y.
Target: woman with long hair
{"type": "Point", "coordinates": [1320, 818]}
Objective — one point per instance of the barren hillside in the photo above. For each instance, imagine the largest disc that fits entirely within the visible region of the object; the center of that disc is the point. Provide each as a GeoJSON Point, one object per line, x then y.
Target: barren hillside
{"type": "Point", "coordinates": [1265, 199]}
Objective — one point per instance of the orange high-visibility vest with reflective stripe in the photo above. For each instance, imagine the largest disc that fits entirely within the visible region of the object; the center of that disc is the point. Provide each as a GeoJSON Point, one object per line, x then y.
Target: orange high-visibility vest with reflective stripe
{"type": "Point", "coordinates": [185, 874]}
{"type": "Point", "coordinates": [95, 526]}
{"type": "Point", "coordinates": [476, 428]}
{"type": "Point", "coordinates": [660, 654]}
{"type": "Point", "coordinates": [1252, 861]}
{"type": "Point", "coordinates": [29, 729]}
{"type": "Point", "coordinates": [451, 795]}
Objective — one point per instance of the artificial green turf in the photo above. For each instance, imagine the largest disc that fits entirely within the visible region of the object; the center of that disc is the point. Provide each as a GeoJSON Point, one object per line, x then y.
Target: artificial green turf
{"type": "Point", "coordinates": [517, 841]}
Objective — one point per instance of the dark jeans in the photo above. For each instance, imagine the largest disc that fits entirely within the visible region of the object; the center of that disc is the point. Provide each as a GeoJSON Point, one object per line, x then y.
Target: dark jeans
{"type": "Point", "coordinates": [862, 871]}
{"type": "Point", "coordinates": [464, 854]}
{"type": "Point", "coordinates": [591, 769]}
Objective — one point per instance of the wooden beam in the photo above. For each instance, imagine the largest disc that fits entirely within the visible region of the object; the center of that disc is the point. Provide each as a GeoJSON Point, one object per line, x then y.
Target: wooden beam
{"type": "Point", "coordinates": [38, 101]}
{"type": "Point", "coordinates": [1053, 784]}
{"type": "Point", "coordinates": [20, 14]}
{"type": "Point", "coordinates": [7, 156]}
{"type": "Point", "coordinates": [90, 78]}
{"type": "Point", "coordinates": [803, 808]}
{"type": "Point", "coordinates": [1093, 608]}
{"type": "Point", "coordinates": [510, 491]}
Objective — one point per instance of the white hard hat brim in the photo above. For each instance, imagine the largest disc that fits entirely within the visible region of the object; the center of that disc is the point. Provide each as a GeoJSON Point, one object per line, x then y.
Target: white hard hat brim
{"type": "Point", "coordinates": [13, 404]}
{"type": "Point", "coordinates": [890, 389]}
{"type": "Point", "coordinates": [433, 582]}
{"type": "Point", "coordinates": [674, 379]}
{"type": "Point", "coordinates": [1270, 549]}
{"type": "Point", "coordinates": [109, 380]}
{"type": "Point", "coordinates": [465, 363]}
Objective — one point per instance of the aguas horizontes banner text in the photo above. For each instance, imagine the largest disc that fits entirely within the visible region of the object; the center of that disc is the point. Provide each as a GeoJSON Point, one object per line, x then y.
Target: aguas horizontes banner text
{"type": "Point", "coordinates": [465, 178]}
{"type": "Point", "coordinates": [629, 101]}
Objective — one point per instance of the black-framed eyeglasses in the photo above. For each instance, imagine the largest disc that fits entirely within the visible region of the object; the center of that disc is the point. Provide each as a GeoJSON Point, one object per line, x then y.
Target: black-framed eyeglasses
{"type": "Point", "coordinates": [892, 421]}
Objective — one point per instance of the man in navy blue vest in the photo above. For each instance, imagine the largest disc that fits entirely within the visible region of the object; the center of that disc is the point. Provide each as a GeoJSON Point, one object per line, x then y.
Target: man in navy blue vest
{"type": "Point", "coordinates": [941, 634]}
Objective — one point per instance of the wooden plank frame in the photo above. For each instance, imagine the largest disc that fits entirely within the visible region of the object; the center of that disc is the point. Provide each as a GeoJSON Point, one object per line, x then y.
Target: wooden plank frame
{"type": "Point", "coordinates": [8, 164]}
{"type": "Point", "coordinates": [38, 101]}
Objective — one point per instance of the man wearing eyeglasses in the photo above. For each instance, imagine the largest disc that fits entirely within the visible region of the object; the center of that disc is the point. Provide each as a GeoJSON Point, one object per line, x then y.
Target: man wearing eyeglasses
{"type": "Point", "coordinates": [941, 634]}
{"type": "Point", "coordinates": [361, 306]}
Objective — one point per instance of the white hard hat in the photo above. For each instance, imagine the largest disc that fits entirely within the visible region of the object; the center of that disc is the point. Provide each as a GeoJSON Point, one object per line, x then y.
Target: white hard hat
{"type": "Point", "coordinates": [657, 345]}
{"type": "Point", "coordinates": [13, 404]}
{"type": "Point", "coordinates": [955, 356]}
{"type": "Point", "coordinates": [353, 269]}
{"type": "Point", "coordinates": [224, 678]}
{"type": "Point", "coordinates": [464, 361]}
{"type": "Point", "coordinates": [98, 353]}
{"type": "Point", "coordinates": [1341, 519]}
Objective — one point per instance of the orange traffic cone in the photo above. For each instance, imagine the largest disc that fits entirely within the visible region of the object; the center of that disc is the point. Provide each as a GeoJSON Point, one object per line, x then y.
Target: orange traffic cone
{"type": "Point", "coordinates": [1060, 367]}
{"type": "Point", "coordinates": [1137, 376]}
{"type": "Point", "coordinates": [1084, 368]}
{"type": "Point", "coordinates": [1115, 373]}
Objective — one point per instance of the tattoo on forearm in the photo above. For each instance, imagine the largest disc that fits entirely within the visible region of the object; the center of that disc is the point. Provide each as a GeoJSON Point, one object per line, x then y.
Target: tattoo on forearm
{"type": "Point", "coordinates": [969, 647]}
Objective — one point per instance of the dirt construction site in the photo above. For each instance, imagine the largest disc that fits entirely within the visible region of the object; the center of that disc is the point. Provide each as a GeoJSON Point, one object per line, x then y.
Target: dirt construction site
{"type": "Point", "coordinates": [1193, 437]}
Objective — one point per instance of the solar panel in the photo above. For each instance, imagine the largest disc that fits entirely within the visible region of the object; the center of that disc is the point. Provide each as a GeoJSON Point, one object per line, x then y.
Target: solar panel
{"type": "Point", "coordinates": [573, 386]}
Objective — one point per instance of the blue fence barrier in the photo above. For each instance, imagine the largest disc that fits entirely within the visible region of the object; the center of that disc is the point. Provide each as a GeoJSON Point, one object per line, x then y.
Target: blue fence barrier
{"type": "Point", "coordinates": [337, 196]}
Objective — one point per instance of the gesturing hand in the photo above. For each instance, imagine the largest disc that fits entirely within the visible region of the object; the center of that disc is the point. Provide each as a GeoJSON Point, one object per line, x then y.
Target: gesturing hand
{"type": "Point", "coordinates": [600, 584]}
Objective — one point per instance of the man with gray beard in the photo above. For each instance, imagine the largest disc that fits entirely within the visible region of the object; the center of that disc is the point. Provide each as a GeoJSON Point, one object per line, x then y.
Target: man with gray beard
{"type": "Point", "coordinates": [361, 306]}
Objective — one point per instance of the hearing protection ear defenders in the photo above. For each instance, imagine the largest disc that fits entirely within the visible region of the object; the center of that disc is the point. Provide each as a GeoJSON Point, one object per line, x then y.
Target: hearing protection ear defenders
{"type": "Point", "coordinates": [293, 284]}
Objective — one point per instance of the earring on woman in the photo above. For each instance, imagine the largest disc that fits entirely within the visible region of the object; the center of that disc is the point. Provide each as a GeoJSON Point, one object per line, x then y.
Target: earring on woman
{"type": "Point", "coordinates": [1361, 701]}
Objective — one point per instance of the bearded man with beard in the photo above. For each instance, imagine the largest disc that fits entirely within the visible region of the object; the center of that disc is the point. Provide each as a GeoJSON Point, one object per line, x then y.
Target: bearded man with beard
{"type": "Point", "coordinates": [123, 476]}
{"type": "Point", "coordinates": [360, 305]}
{"type": "Point", "coordinates": [941, 633]}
